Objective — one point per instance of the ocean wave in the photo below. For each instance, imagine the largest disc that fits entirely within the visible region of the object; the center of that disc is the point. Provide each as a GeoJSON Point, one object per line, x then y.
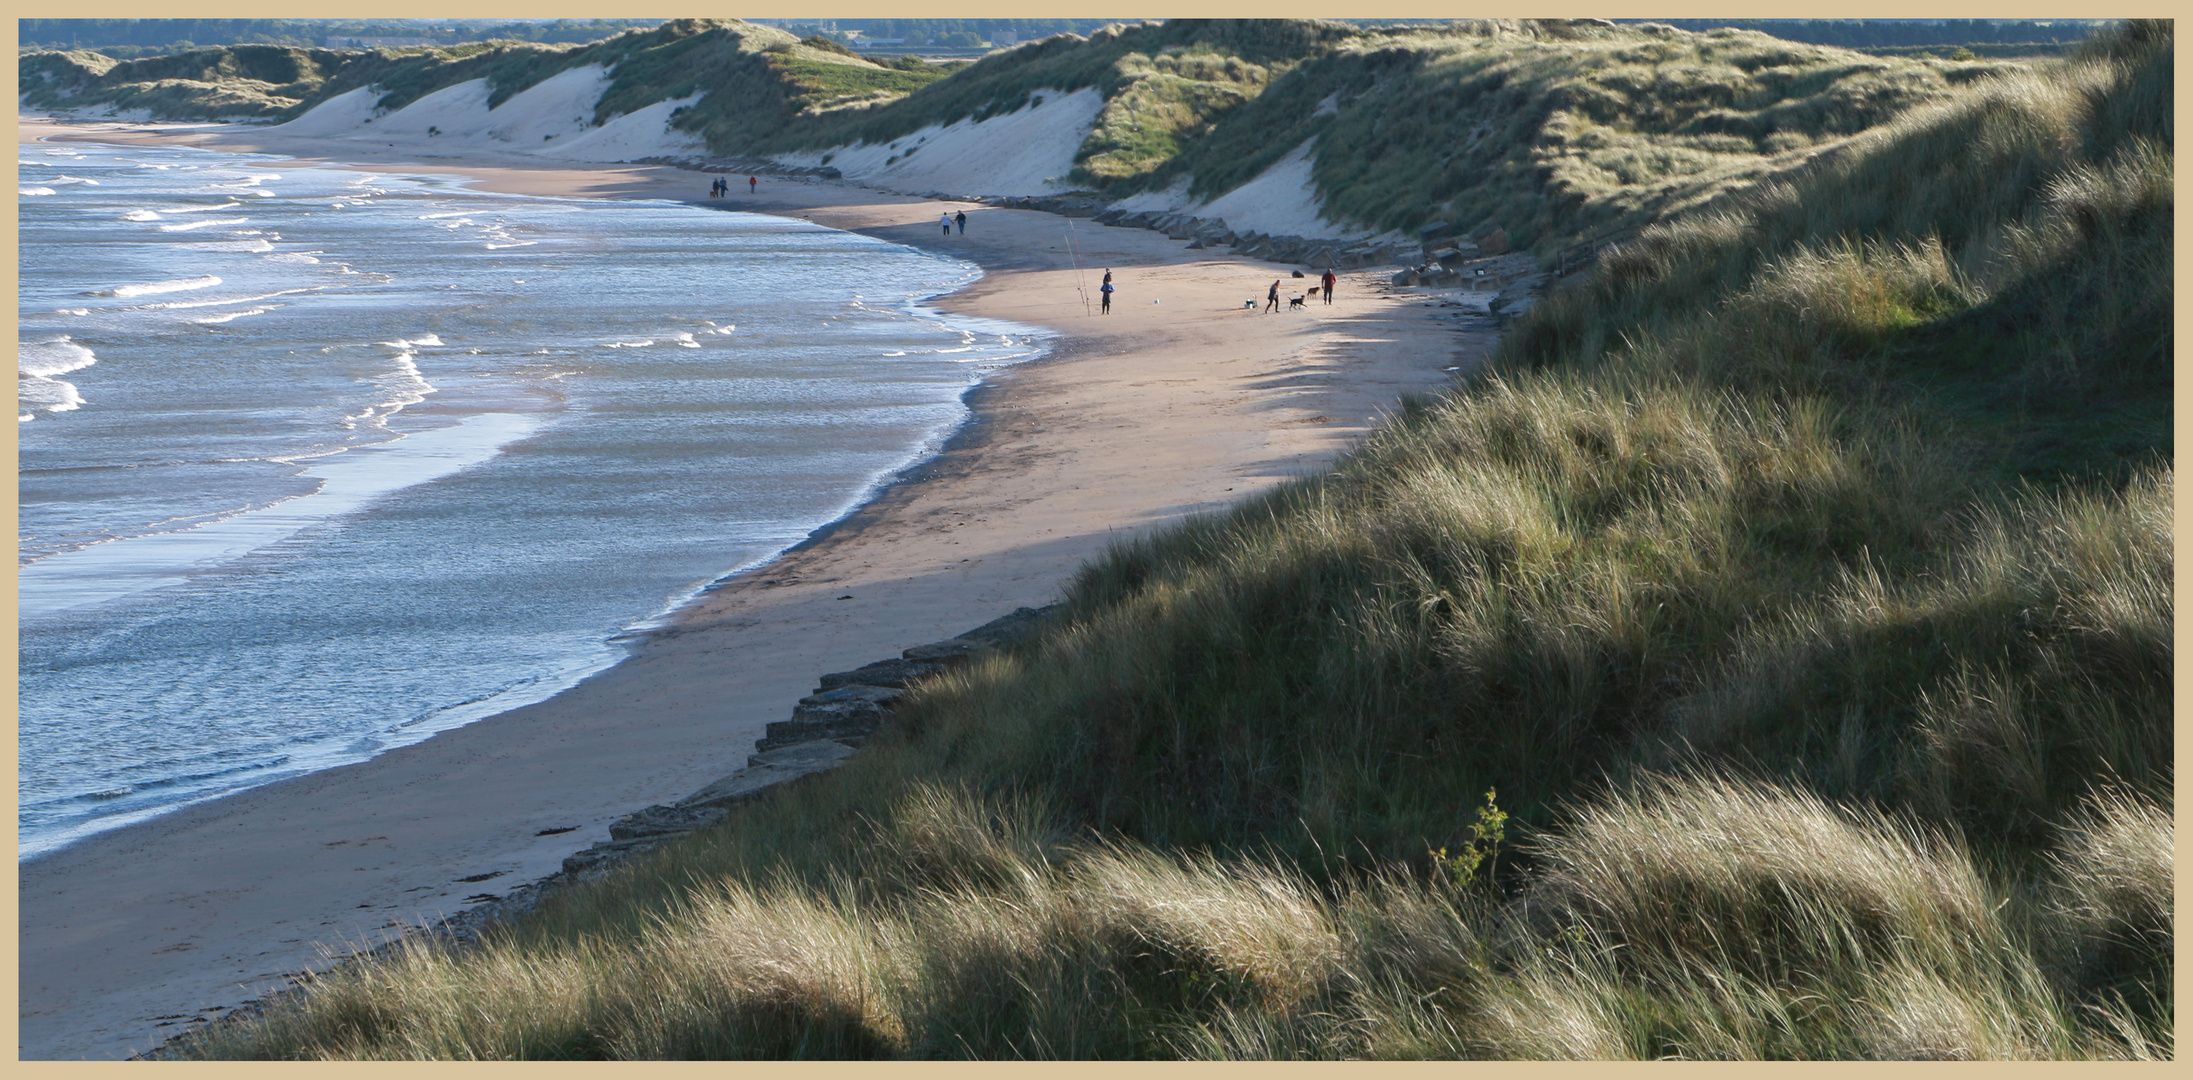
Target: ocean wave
{"type": "Point", "coordinates": [627, 344]}
{"type": "Point", "coordinates": [72, 311]}
{"type": "Point", "coordinates": [142, 215]}
{"type": "Point", "coordinates": [36, 388]}
{"type": "Point", "coordinates": [686, 340]}
{"type": "Point", "coordinates": [53, 356]}
{"type": "Point", "coordinates": [58, 180]}
{"type": "Point", "coordinates": [27, 191]}
{"type": "Point", "coordinates": [230, 205]}
{"type": "Point", "coordinates": [407, 344]}
{"type": "Point", "coordinates": [174, 305]}
{"type": "Point", "coordinates": [205, 224]}
{"type": "Point", "coordinates": [253, 246]}
{"type": "Point", "coordinates": [231, 316]}
{"type": "Point", "coordinates": [150, 288]}
{"type": "Point", "coordinates": [292, 257]}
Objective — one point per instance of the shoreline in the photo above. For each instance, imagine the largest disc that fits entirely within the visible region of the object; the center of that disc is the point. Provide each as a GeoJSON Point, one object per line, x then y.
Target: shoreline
{"type": "Point", "coordinates": [1127, 422]}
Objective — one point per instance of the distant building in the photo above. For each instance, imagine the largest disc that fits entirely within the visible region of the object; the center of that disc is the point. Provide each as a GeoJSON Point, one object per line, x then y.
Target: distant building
{"type": "Point", "coordinates": [376, 42]}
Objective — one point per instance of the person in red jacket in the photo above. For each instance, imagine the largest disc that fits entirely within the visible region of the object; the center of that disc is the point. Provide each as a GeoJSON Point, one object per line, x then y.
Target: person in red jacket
{"type": "Point", "coordinates": [1329, 279]}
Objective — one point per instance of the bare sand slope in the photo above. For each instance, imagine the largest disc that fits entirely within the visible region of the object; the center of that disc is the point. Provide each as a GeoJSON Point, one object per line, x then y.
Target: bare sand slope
{"type": "Point", "coordinates": [1179, 402]}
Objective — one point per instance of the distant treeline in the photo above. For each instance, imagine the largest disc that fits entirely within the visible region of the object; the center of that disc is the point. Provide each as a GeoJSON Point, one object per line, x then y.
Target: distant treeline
{"type": "Point", "coordinates": [131, 38]}
{"type": "Point", "coordinates": [1878, 33]}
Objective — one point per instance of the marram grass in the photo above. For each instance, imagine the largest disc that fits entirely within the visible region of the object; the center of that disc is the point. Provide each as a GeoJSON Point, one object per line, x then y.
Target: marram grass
{"type": "Point", "coordinates": [1800, 585]}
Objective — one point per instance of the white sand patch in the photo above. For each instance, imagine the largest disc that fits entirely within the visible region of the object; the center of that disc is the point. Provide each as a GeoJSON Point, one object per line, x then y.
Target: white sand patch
{"type": "Point", "coordinates": [1027, 152]}
{"type": "Point", "coordinates": [561, 106]}
{"type": "Point", "coordinates": [1282, 201]}
{"type": "Point", "coordinates": [458, 111]}
{"type": "Point", "coordinates": [339, 115]}
{"type": "Point", "coordinates": [643, 134]}
{"type": "Point", "coordinates": [1172, 197]}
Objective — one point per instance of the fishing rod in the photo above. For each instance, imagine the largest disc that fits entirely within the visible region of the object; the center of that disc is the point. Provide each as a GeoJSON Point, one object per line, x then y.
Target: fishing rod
{"type": "Point", "coordinates": [1081, 282]}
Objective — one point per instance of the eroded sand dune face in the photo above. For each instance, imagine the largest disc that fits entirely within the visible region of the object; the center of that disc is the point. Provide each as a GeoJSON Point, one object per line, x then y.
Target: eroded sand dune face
{"type": "Point", "coordinates": [554, 118]}
{"type": "Point", "coordinates": [1028, 151]}
{"type": "Point", "coordinates": [1025, 152]}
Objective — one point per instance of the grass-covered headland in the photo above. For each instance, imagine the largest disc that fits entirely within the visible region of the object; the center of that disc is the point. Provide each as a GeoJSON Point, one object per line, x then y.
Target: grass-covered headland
{"type": "Point", "coordinates": [1769, 657]}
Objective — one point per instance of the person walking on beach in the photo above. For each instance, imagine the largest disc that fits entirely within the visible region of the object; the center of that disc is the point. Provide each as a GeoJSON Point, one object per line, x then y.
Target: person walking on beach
{"type": "Point", "coordinates": [752, 185]}
{"type": "Point", "coordinates": [946, 221]}
{"type": "Point", "coordinates": [960, 219]}
{"type": "Point", "coordinates": [1106, 291]}
{"type": "Point", "coordinates": [1329, 279]}
{"type": "Point", "coordinates": [1271, 297]}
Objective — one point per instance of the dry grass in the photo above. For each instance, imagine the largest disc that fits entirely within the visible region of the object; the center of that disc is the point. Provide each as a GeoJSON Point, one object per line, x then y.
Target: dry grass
{"type": "Point", "coordinates": [1700, 918]}
{"type": "Point", "coordinates": [1821, 656]}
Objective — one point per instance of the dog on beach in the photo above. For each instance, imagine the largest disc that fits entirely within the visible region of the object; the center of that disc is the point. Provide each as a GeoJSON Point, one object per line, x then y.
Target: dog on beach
{"type": "Point", "coordinates": [1294, 301]}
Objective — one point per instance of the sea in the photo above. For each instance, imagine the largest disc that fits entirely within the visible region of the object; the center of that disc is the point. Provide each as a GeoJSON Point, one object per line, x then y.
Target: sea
{"type": "Point", "coordinates": [319, 461]}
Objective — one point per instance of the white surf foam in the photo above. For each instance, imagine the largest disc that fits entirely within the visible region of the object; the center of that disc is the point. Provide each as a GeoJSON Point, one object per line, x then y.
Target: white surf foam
{"type": "Point", "coordinates": [207, 223]}
{"type": "Point", "coordinates": [232, 316]}
{"type": "Point", "coordinates": [151, 288]}
{"type": "Point", "coordinates": [37, 365]}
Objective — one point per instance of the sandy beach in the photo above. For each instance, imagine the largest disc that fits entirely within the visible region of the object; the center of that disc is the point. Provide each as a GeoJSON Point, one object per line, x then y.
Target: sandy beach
{"type": "Point", "coordinates": [1179, 402]}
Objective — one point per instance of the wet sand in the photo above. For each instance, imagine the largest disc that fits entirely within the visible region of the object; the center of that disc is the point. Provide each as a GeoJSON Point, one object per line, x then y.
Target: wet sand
{"type": "Point", "coordinates": [1180, 401]}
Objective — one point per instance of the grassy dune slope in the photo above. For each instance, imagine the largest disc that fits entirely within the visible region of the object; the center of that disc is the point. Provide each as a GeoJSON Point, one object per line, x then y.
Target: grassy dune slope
{"type": "Point", "coordinates": [1555, 130]}
{"type": "Point", "coordinates": [1771, 658]}
{"type": "Point", "coordinates": [756, 79]}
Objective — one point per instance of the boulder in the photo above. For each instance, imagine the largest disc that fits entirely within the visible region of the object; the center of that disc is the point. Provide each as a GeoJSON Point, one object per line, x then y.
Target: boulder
{"type": "Point", "coordinates": [777, 765]}
{"type": "Point", "coordinates": [660, 821]}
{"type": "Point", "coordinates": [1005, 631]}
{"type": "Point", "coordinates": [880, 695]}
{"type": "Point", "coordinates": [887, 673]}
{"type": "Point", "coordinates": [813, 722]}
{"type": "Point", "coordinates": [803, 757]}
{"type": "Point", "coordinates": [614, 851]}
